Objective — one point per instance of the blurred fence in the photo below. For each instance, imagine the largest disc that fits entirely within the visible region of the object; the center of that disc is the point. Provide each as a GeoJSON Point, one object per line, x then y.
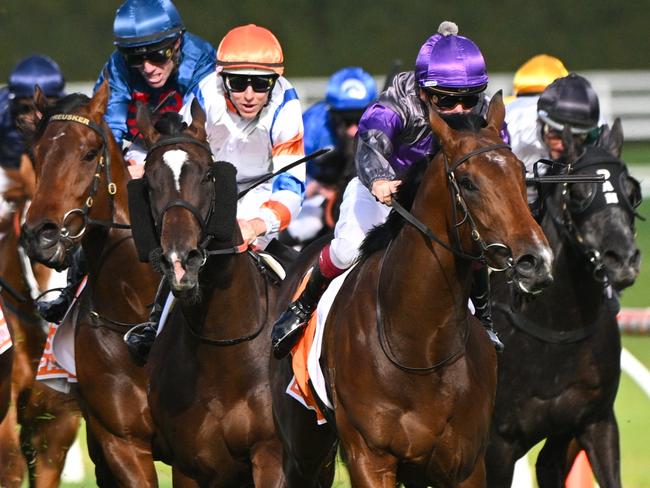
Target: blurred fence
{"type": "Point", "coordinates": [624, 94]}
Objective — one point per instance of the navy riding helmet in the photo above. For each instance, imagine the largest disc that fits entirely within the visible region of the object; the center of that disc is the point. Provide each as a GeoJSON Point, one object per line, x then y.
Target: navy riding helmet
{"type": "Point", "coordinates": [142, 23]}
{"type": "Point", "coordinates": [569, 101]}
{"type": "Point", "coordinates": [36, 70]}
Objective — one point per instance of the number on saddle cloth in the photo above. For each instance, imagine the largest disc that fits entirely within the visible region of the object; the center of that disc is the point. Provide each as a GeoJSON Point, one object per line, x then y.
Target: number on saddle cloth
{"type": "Point", "coordinates": [142, 224]}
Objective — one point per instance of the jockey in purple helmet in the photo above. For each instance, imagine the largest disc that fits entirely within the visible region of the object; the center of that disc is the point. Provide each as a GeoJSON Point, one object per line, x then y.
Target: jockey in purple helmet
{"type": "Point", "coordinates": [393, 133]}
{"type": "Point", "coordinates": [156, 62]}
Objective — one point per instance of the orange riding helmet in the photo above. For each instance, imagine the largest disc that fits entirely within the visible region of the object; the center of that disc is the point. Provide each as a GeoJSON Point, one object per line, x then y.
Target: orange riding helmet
{"type": "Point", "coordinates": [250, 47]}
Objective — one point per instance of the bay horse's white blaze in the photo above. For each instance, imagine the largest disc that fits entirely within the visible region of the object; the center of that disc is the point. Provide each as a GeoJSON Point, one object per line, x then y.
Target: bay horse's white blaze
{"type": "Point", "coordinates": [175, 159]}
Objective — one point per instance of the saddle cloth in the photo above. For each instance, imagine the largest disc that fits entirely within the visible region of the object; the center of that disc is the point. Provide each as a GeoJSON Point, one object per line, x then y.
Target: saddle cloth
{"type": "Point", "coordinates": [5, 336]}
{"type": "Point", "coordinates": [306, 353]}
{"type": "Point", "coordinates": [57, 365]}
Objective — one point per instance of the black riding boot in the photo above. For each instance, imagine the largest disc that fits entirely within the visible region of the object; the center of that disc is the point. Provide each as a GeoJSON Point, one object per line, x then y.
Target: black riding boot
{"type": "Point", "coordinates": [141, 337]}
{"type": "Point", "coordinates": [54, 310]}
{"type": "Point", "coordinates": [289, 327]}
{"type": "Point", "coordinates": [480, 295]}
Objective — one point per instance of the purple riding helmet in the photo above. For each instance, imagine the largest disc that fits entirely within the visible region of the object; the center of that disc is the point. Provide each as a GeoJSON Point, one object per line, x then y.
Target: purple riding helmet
{"type": "Point", "coordinates": [450, 63]}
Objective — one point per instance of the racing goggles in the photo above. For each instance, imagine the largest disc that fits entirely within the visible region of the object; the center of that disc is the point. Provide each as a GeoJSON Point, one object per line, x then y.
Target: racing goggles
{"type": "Point", "coordinates": [239, 83]}
{"type": "Point", "coordinates": [447, 102]}
{"type": "Point", "coordinates": [156, 56]}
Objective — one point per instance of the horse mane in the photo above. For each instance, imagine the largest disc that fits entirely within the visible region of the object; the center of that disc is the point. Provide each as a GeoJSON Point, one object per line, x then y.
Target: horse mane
{"type": "Point", "coordinates": [379, 237]}
{"type": "Point", "coordinates": [170, 124]}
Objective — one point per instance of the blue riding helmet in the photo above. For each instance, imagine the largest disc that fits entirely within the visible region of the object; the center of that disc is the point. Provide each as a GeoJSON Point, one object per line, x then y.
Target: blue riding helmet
{"type": "Point", "coordinates": [36, 70]}
{"type": "Point", "coordinates": [350, 89]}
{"type": "Point", "coordinates": [141, 23]}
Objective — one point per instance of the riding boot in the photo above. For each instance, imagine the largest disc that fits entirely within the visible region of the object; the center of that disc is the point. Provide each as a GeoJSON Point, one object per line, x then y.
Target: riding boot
{"type": "Point", "coordinates": [140, 338]}
{"type": "Point", "coordinates": [480, 295]}
{"type": "Point", "coordinates": [291, 324]}
{"type": "Point", "coordinates": [54, 310]}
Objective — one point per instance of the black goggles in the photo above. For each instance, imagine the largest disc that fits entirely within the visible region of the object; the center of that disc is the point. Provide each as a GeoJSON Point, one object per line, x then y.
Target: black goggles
{"type": "Point", "coordinates": [157, 56]}
{"type": "Point", "coordinates": [448, 101]}
{"type": "Point", "coordinates": [239, 83]}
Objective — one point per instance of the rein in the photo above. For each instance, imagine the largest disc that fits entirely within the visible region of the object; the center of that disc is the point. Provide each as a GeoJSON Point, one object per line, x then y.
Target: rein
{"type": "Point", "coordinates": [103, 164]}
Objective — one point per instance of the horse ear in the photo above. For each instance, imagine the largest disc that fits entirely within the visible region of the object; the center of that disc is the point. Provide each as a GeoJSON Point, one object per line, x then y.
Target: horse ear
{"type": "Point", "coordinates": [145, 126]}
{"type": "Point", "coordinates": [611, 139]}
{"type": "Point", "coordinates": [28, 121]}
{"type": "Point", "coordinates": [99, 101]}
{"type": "Point", "coordinates": [197, 128]}
{"type": "Point", "coordinates": [439, 127]}
{"type": "Point", "coordinates": [496, 113]}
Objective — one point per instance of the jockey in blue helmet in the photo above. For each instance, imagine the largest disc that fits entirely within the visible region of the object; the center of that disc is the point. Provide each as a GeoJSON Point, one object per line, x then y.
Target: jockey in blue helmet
{"type": "Point", "coordinates": [17, 97]}
{"type": "Point", "coordinates": [156, 61]}
{"type": "Point", "coordinates": [331, 123]}
{"type": "Point", "coordinates": [394, 132]}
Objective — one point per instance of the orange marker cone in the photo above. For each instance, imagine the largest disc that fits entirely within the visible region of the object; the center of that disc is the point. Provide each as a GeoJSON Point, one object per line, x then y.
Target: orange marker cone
{"type": "Point", "coordinates": [580, 475]}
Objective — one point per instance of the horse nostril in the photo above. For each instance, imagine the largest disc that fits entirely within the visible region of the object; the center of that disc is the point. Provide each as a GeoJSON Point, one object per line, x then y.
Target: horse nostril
{"type": "Point", "coordinates": [635, 260]}
{"type": "Point", "coordinates": [47, 233]}
{"type": "Point", "coordinates": [194, 259]}
{"type": "Point", "coordinates": [526, 265]}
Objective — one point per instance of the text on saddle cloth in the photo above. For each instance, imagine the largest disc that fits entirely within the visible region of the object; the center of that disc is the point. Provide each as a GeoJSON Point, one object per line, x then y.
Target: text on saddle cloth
{"type": "Point", "coordinates": [306, 353]}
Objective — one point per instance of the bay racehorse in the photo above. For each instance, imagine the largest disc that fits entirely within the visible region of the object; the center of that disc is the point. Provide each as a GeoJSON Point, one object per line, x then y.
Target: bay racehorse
{"type": "Point", "coordinates": [209, 387]}
{"type": "Point", "coordinates": [42, 423]}
{"type": "Point", "coordinates": [559, 374]}
{"type": "Point", "coordinates": [81, 199]}
{"type": "Point", "coordinates": [411, 373]}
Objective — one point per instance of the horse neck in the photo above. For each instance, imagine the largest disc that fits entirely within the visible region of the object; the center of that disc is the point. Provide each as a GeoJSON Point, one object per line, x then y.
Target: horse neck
{"type": "Point", "coordinates": [576, 296]}
{"type": "Point", "coordinates": [435, 281]}
{"type": "Point", "coordinates": [233, 302]}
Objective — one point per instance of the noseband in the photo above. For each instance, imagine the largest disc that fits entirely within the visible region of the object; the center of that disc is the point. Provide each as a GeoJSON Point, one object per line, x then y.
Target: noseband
{"type": "Point", "coordinates": [103, 164]}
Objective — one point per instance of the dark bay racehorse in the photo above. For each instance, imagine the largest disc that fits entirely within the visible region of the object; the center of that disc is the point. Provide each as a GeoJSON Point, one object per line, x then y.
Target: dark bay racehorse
{"type": "Point", "coordinates": [80, 196]}
{"type": "Point", "coordinates": [559, 374]}
{"type": "Point", "coordinates": [209, 388]}
{"type": "Point", "coordinates": [412, 375]}
{"type": "Point", "coordinates": [42, 423]}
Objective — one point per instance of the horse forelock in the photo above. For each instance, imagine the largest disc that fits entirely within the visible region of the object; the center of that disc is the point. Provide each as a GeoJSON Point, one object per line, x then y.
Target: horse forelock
{"type": "Point", "coordinates": [170, 124]}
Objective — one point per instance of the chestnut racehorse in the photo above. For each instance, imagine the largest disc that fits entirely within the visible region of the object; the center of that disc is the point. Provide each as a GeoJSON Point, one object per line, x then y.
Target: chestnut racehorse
{"type": "Point", "coordinates": [410, 372]}
{"type": "Point", "coordinates": [42, 423]}
{"type": "Point", "coordinates": [560, 370]}
{"type": "Point", "coordinates": [209, 388]}
{"type": "Point", "coordinates": [81, 199]}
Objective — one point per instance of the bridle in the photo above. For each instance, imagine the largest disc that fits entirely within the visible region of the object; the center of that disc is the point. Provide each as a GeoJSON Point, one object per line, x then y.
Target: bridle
{"type": "Point", "coordinates": [457, 197]}
{"type": "Point", "coordinates": [103, 166]}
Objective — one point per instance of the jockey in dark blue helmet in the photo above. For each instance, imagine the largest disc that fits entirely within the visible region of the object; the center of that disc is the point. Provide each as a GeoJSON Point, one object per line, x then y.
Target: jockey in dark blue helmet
{"type": "Point", "coordinates": [16, 97]}
{"type": "Point", "coordinates": [156, 62]}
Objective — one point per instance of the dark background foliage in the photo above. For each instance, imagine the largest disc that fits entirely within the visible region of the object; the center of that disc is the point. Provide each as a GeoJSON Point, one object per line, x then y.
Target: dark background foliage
{"type": "Point", "coordinates": [320, 36]}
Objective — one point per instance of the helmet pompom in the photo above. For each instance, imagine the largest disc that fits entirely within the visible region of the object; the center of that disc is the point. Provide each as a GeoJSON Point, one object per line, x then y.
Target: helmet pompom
{"type": "Point", "coordinates": [448, 28]}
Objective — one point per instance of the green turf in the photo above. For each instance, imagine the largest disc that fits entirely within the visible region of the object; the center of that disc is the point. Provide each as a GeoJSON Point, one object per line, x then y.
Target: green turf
{"type": "Point", "coordinates": [636, 152]}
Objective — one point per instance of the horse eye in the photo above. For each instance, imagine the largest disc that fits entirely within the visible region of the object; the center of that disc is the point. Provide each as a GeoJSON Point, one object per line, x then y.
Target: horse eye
{"type": "Point", "coordinates": [467, 184]}
{"type": "Point", "coordinates": [90, 155]}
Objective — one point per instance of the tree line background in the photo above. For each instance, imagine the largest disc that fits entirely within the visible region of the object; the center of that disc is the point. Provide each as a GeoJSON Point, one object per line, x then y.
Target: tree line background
{"type": "Point", "coordinates": [320, 36]}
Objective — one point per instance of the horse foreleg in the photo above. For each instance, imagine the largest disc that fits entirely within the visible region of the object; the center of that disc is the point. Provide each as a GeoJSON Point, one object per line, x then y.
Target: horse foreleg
{"type": "Point", "coordinates": [12, 463]}
{"type": "Point", "coordinates": [129, 460]}
{"type": "Point", "coordinates": [6, 362]}
{"type": "Point", "coordinates": [49, 429]}
{"type": "Point", "coordinates": [500, 461]}
{"type": "Point", "coordinates": [551, 462]}
{"type": "Point", "coordinates": [367, 468]}
{"type": "Point", "coordinates": [266, 458]}
{"type": "Point", "coordinates": [600, 440]}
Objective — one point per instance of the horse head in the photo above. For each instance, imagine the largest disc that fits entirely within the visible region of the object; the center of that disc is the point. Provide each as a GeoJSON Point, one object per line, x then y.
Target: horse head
{"type": "Point", "coordinates": [598, 219]}
{"type": "Point", "coordinates": [192, 205]}
{"type": "Point", "coordinates": [486, 183]}
{"type": "Point", "coordinates": [71, 149]}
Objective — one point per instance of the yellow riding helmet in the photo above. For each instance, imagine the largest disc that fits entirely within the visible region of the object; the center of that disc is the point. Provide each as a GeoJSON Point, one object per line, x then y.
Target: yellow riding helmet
{"type": "Point", "coordinates": [537, 73]}
{"type": "Point", "coordinates": [250, 48]}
